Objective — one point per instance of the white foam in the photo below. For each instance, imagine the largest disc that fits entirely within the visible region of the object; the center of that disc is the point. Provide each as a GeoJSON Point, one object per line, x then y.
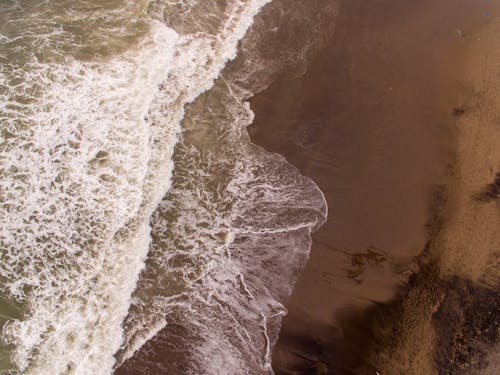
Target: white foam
{"type": "Point", "coordinates": [75, 231]}
{"type": "Point", "coordinates": [87, 158]}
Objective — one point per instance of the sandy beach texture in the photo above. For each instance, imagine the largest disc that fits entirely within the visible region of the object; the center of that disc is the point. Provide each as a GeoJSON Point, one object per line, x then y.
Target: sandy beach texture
{"type": "Point", "coordinates": [397, 121]}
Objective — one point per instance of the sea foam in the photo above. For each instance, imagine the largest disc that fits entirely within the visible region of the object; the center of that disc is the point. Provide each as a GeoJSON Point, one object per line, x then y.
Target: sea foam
{"type": "Point", "coordinates": [229, 239]}
{"type": "Point", "coordinates": [86, 154]}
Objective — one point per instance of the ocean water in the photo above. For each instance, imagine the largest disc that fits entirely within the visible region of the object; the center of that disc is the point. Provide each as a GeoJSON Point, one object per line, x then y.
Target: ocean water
{"type": "Point", "coordinates": [132, 202]}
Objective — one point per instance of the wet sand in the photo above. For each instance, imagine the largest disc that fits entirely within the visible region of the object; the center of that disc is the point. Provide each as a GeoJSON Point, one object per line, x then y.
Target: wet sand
{"type": "Point", "coordinates": [378, 121]}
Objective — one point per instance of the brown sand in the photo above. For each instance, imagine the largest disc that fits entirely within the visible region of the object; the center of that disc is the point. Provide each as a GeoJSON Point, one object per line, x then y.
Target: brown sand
{"type": "Point", "coordinates": [378, 121]}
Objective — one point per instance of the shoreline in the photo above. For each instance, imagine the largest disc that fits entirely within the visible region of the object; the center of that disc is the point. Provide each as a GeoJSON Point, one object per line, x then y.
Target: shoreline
{"type": "Point", "coordinates": [235, 305]}
{"type": "Point", "coordinates": [339, 312]}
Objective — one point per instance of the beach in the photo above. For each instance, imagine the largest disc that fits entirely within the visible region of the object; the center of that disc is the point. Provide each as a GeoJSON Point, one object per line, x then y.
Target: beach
{"type": "Point", "coordinates": [396, 120]}
{"type": "Point", "coordinates": [249, 187]}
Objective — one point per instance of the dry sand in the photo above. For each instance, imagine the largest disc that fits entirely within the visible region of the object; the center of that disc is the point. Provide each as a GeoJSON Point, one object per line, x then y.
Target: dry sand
{"type": "Point", "coordinates": [397, 120]}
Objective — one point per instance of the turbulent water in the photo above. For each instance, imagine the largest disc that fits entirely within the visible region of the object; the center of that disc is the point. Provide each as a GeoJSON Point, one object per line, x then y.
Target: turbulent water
{"type": "Point", "coordinates": [124, 213]}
